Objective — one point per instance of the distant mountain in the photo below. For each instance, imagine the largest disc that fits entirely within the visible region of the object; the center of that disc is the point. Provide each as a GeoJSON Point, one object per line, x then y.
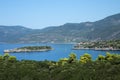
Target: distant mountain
{"type": "Point", "coordinates": [105, 29]}
{"type": "Point", "coordinates": [12, 34]}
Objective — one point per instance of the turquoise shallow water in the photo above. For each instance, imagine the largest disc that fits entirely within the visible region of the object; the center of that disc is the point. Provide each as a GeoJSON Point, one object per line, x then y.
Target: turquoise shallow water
{"type": "Point", "coordinates": [60, 51]}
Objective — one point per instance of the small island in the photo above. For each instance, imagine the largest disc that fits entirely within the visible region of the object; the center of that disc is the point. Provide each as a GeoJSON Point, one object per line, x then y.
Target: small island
{"type": "Point", "coordinates": [29, 49]}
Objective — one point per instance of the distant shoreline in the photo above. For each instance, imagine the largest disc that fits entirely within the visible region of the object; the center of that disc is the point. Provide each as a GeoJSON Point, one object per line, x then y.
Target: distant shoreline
{"type": "Point", "coordinates": [97, 49]}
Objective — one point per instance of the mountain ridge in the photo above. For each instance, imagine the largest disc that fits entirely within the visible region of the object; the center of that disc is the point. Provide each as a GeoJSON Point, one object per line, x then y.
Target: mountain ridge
{"type": "Point", "coordinates": [104, 29]}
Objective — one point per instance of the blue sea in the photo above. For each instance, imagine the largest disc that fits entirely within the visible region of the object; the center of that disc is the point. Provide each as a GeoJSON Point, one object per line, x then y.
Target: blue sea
{"type": "Point", "coordinates": [60, 51]}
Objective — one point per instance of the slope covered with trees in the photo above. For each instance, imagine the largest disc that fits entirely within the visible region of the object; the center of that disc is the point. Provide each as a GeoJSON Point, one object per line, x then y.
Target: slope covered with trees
{"type": "Point", "coordinates": [103, 68]}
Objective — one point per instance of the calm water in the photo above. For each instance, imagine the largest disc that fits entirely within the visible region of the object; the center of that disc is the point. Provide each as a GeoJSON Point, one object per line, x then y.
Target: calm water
{"type": "Point", "coordinates": [60, 51]}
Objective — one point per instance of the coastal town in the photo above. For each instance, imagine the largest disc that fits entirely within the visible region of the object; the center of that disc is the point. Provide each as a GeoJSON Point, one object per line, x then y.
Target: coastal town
{"type": "Point", "coordinates": [100, 45]}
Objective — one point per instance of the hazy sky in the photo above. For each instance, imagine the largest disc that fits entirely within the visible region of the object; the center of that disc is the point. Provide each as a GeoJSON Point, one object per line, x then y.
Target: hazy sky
{"type": "Point", "coordinates": [42, 13]}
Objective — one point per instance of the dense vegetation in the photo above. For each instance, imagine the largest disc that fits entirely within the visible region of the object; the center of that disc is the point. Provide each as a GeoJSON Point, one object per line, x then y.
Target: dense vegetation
{"type": "Point", "coordinates": [103, 68]}
{"type": "Point", "coordinates": [35, 47]}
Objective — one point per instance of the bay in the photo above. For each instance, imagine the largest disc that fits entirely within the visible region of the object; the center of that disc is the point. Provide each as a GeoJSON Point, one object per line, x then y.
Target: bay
{"type": "Point", "coordinates": [60, 51]}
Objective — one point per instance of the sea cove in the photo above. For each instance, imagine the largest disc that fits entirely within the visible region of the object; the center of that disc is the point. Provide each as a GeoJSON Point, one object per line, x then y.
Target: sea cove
{"type": "Point", "coordinates": [60, 51]}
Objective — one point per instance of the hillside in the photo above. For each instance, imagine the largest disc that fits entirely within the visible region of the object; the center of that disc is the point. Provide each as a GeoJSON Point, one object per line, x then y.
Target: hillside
{"type": "Point", "coordinates": [105, 29]}
{"type": "Point", "coordinates": [103, 68]}
{"type": "Point", "coordinates": [12, 34]}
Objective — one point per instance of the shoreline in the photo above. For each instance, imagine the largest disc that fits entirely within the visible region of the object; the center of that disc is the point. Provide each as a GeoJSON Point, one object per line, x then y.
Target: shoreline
{"type": "Point", "coordinates": [97, 49]}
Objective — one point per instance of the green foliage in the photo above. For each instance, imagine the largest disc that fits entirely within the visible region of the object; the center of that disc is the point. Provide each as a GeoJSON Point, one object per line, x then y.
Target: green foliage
{"type": "Point", "coordinates": [109, 56]}
{"type": "Point", "coordinates": [1, 58]}
{"type": "Point", "coordinates": [101, 69]}
{"type": "Point", "coordinates": [85, 58]}
{"type": "Point", "coordinates": [63, 61]}
{"type": "Point", "coordinates": [6, 56]}
{"type": "Point", "coordinates": [35, 47]}
{"type": "Point", "coordinates": [72, 58]}
{"type": "Point", "coordinates": [101, 58]}
{"type": "Point", "coordinates": [12, 58]}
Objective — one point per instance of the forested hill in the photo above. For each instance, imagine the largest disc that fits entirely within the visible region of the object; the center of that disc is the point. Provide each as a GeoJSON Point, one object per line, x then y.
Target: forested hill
{"type": "Point", "coordinates": [105, 29]}
{"type": "Point", "coordinates": [103, 68]}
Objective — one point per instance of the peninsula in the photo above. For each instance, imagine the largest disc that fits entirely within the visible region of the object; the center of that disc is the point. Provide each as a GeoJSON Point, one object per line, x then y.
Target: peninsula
{"type": "Point", "coordinates": [100, 45]}
{"type": "Point", "coordinates": [29, 49]}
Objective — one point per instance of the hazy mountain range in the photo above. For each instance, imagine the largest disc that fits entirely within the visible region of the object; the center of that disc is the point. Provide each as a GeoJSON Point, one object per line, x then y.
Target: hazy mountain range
{"type": "Point", "coordinates": [105, 29]}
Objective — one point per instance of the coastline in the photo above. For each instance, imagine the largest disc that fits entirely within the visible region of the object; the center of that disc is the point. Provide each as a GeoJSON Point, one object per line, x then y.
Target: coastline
{"type": "Point", "coordinates": [97, 49]}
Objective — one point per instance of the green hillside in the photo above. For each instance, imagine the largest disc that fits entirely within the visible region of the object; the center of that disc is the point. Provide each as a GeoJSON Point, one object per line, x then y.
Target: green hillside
{"type": "Point", "coordinates": [105, 29]}
{"type": "Point", "coordinates": [103, 68]}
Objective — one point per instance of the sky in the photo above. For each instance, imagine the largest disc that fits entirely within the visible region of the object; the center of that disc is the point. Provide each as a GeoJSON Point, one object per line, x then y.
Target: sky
{"type": "Point", "coordinates": [38, 14]}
